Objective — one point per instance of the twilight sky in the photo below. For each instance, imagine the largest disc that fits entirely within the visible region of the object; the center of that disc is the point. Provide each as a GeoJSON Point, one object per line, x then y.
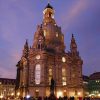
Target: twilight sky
{"type": "Point", "coordinates": [19, 18]}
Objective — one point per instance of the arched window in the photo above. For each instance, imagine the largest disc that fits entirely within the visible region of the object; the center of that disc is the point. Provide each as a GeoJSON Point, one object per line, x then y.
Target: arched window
{"type": "Point", "coordinates": [63, 72]}
{"type": "Point", "coordinates": [50, 72]}
{"type": "Point", "coordinates": [44, 32]}
{"type": "Point", "coordinates": [50, 75]}
{"type": "Point", "coordinates": [37, 73]}
{"type": "Point", "coordinates": [63, 76]}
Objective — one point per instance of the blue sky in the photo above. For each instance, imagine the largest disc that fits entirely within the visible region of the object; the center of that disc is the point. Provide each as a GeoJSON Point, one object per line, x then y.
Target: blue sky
{"type": "Point", "coordinates": [19, 19]}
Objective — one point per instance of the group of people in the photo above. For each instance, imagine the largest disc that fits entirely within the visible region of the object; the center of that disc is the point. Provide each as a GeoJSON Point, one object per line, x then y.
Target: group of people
{"type": "Point", "coordinates": [60, 98]}
{"type": "Point", "coordinates": [50, 98]}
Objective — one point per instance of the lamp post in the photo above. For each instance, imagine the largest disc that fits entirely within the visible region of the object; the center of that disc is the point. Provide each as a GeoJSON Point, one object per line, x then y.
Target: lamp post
{"type": "Point", "coordinates": [12, 95]}
{"type": "Point", "coordinates": [18, 94]}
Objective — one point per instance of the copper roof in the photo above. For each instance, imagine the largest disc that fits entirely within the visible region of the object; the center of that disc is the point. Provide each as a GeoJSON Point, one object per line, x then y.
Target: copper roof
{"type": "Point", "coordinates": [6, 81]}
{"type": "Point", "coordinates": [95, 76]}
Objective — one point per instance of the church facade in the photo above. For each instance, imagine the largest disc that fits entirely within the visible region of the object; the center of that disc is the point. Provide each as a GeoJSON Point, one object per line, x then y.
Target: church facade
{"type": "Point", "coordinates": [47, 59]}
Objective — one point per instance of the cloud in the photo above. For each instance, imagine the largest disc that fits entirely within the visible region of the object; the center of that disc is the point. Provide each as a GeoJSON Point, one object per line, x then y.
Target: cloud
{"type": "Point", "coordinates": [76, 9]}
{"type": "Point", "coordinates": [8, 61]}
{"type": "Point", "coordinates": [73, 12]}
{"type": "Point", "coordinates": [15, 17]}
{"type": "Point", "coordinates": [7, 72]}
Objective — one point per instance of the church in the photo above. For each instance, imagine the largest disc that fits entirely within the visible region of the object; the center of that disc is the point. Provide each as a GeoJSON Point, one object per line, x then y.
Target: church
{"type": "Point", "coordinates": [46, 58]}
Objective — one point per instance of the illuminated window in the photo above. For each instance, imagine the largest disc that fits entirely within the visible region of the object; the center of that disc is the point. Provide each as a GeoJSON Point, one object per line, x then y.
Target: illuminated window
{"type": "Point", "coordinates": [37, 92]}
{"type": "Point", "coordinates": [37, 56]}
{"type": "Point", "coordinates": [64, 83]}
{"type": "Point", "coordinates": [50, 80]}
{"type": "Point", "coordinates": [50, 75]}
{"type": "Point", "coordinates": [63, 72]}
{"type": "Point", "coordinates": [63, 76]}
{"type": "Point", "coordinates": [63, 59]}
{"type": "Point", "coordinates": [44, 32]}
{"type": "Point", "coordinates": [56, 34]}
{"type": "Point", "coordinates": [50, 72]}
{"type": "Point", "coordinates": [96, 81]}
{"type": "Point", "coordinates": [52, 16]}
{"type": "Point", "coordinates": [59, 94]}
{"type": "Point", "coordinates": [37, 73]}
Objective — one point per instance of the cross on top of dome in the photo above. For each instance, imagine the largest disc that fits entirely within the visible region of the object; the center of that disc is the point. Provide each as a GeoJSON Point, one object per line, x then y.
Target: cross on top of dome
{"type": "Point", "coordinates": [49, 6]}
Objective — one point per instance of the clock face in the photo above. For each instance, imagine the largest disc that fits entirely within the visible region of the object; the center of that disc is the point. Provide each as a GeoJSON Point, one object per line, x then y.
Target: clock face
{"type": "Point", "coordinates": [37, 56]}
{"type": "Point", "coordinates": [63, 59]}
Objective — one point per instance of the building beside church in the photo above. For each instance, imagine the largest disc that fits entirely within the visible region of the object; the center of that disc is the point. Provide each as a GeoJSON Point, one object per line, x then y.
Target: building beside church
{"type": "Point", "coordinates": [47, 59]}
{"type": "Point", "coordinates": [85, 85]}
{"type": "Point", "coordinates": [7, 88]}
{"type": "Point", "coordinates": [94, 84]}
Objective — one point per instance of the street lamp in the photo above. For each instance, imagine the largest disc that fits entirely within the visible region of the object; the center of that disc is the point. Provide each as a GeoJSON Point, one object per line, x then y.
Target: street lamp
{"type": "Point", "coordinates": [18, 94]}
{"type": "Point", "coordinates": [28, 96]}
{"type": "Point", "coordinates": [79, 93]}
{"type": "Point", "coordinates": [59, 94]}
{"type": "Point", "coordinates": [99, 95]}
{"type": "Point", "coordinates": [1, 96]}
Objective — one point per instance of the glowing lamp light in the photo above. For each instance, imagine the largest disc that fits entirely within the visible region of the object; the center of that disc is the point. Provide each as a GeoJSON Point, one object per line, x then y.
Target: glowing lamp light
{"type": "Point", "coordinates": [99, 95]}
{"type": "Point", "coordinates": [91, 95]}
{"type": "Point", "coordinates": [18, 93]}
{"type": "Point", "coordinates": [59, 94]}
{"type": "Point", "coordinates": [28, 96]}
{"type": "Point", "coordinates": [63, 59]}
{"type": "Point", "coordinates": [12, 94]}
{"type": "Point", "coordinates": [1, 96]}
{"type": "Point", "coordinates": [64, 83]}
{"type": "Point", "coordinates": [79, 93]}
{"type": "Point", "coordinates": [37, 56]}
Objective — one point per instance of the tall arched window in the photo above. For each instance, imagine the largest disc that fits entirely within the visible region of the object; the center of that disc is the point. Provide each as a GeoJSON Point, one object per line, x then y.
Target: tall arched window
{"type": "Point", "coordinates": [63, 76]}
{"type": "Point", "coordinates": [50, 75]}
{"type": "Point", "coordinates": [37, 73]}
{"type": "Point", "coordinates": [50, 72]}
